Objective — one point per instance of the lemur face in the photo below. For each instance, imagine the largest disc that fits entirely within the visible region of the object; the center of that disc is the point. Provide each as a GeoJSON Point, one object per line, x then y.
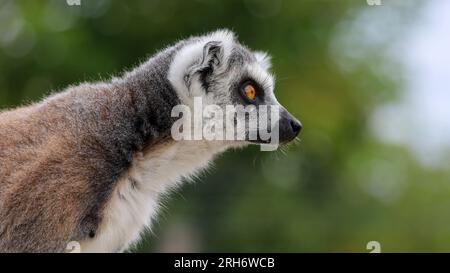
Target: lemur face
{"type": "Point", "coordinates": [228, 75]}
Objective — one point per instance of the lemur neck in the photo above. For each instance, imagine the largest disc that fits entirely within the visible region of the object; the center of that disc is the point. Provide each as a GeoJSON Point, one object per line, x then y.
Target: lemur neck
{"type": "Point", "coordinates": [152, 97]}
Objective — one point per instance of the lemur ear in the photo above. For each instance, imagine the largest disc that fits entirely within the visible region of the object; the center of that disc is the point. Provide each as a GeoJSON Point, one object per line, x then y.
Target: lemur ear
{"type": "Point", "coordinates": [212, 58]}
{"type": "Point", "coordinates": [263, 59]}
{"type": "Point", "coordinates": [212, 53]}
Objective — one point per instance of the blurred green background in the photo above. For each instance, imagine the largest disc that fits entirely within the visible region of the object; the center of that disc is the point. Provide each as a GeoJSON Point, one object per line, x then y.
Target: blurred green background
{"type": "Point", "coordinates": [337, 65]}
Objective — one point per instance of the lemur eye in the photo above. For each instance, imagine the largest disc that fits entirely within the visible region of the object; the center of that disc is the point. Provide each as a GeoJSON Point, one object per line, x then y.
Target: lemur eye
{"type": "Point", "coordinates": [249, 92]}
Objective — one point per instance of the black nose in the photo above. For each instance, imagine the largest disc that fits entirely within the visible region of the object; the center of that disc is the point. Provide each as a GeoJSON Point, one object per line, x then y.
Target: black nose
{"type": "Point", "coordinates": [296, 126]}
{"type": "Point", "coordinates": [289, 127]}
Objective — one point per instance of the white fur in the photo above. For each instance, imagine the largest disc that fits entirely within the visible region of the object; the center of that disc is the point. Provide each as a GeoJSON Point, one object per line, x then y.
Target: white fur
{"type": "Point", "coordinates": [189, 55]}
{"type": "Point", "coordinates": [263, 59]}
{"type": "Point", "coordinates": [158, 171]}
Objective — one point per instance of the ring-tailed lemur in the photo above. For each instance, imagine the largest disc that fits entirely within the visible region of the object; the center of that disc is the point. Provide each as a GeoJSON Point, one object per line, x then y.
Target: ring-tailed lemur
{"type": "Point", "coordinates": [89, 164]}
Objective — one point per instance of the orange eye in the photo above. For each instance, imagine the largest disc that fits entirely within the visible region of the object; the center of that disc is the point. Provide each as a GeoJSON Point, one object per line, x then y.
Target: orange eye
{"type": "Point", "coordinates": [250, 92]}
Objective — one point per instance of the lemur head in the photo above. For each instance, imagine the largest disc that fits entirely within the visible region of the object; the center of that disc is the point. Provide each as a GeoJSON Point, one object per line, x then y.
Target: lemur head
{"type": "Point", "coordinates": [222, 72]}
